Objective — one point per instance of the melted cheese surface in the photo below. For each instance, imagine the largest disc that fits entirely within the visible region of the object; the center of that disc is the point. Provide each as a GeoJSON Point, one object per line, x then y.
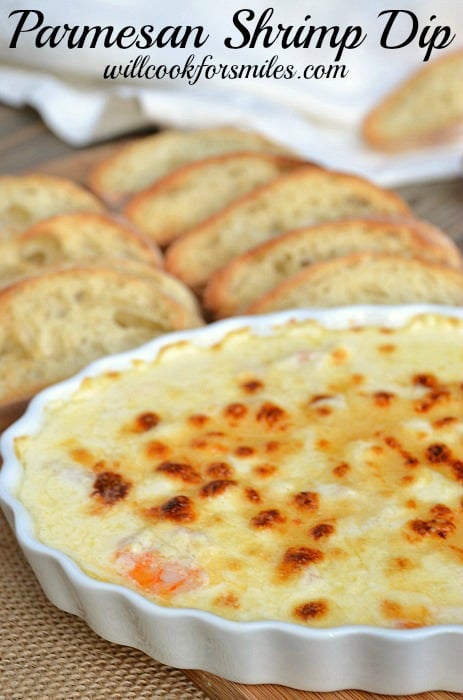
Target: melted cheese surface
{"type": "Point", "coordinates": [310, 475]}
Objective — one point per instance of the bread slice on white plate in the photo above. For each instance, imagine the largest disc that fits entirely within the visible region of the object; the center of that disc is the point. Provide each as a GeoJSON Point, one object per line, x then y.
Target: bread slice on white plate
{"type": "Point", "coordinates": [365, 278]}
{"type": "Point", "coordinates": [305, 197]}
{"type": "Point", "coordinates": [27, 199]}
{"type": "Point", "coordinates": [425, 109]}
{"type": "Point", "coordinates": [53, 324]}
{"type": "Point", "coordinates": [73, 238]}
{"type": "Point", "coordinates": [194, 192]}
{"type": "Point", "coordinates": [138, 164]}
{"type": "Point", "coordinates": [252, 274]}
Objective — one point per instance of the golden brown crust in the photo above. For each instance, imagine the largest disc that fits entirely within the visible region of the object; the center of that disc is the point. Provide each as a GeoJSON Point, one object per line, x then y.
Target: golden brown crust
{"type": "Point", "coordinates": [181, 177]}
{"type": "Point", "coordinates": [221, 295]}
{"type": "Point", "coordinates": [447, 128]}
{"type": "Point", "coordinates": [438, 279]}
{"type": "Point", "coordinates": [196, 255]}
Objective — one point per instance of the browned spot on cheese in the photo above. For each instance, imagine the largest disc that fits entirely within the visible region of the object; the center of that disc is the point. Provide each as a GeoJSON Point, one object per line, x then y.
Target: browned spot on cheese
{"type": "Point", "coordinates": [319, 397]}
{"type": "Point", "coordinates": [198, 420]}
{"type": "Point", "coordinates": [244, 451]}
{"type": "Point", "coordinates": [267, 518]}
{"type": "Point", "coordinates": [323, 444]}
{"type": "Point", "coordinates": [434, 398]}
{"type": "Point", "coordinates": [110, 487]}
{"type": "Point", "coordinates": [391, 610]}
{"type": "Point", "coordinates": [146, 421]}
{"type": "Point", "coordinates": [427, 380]}
{"type": "Point", "coordinates": [311, 610]}
{"type": "Point", "coordinates": [178, 509]}
{"type": "Point", "coordinates": [252, 385]}
{"type": "Point", "coordinates": [252, 495]}
{"type": "Point", "coordinates": [400, 564]}
{"type": "Point", "coordinates": [179, 470]}
{"type": "Point", "coordinates": [411, 503]}
{"type": "Point", "coordinates": [228, 600]}
{"type": "Point", "coordinates": [408, 459]}
{"type": "Point", "coordinates": [270, 414]}
{"type": "Point", "coordinates": [82, 456]}
{"type": "Point", "coordinates": [324, 411]}
{"type": "Point", "coordinates": [321, 531]}
{"type": "Point", "coordinates": [341, 469]}
{"type": "Point", "coordinates": [357, 379]}
{"type": "Point", "coordinates": [437, 453]}
{"type": "Point", "coordinates": [272, 446]}
{"type": "Point", "coordinates": [156, 448]}
{"type": "Point", "coordinates": [308, 500]}
{"type": "Point", "coordinates": [295, 559]}
{"type": "Point", "coordinates": [457, 468]}
{"type": "Point", "coordinates": [235, 411]}
{"type": "Point", "coordinates": [435, 527]}
{"type": "Point", "coordinates": [339, 355]}
{"type": "Point", "coordinates": [441, 510]}
{"type": "Point", "coordinates": [387, 348]}
{"type": "Point", "coordinates": [219, 470]}
{"type": "Point", "coordinates": [209, 443]}
{"type": "Point", "coordinates": [442, 422]}
{"type": "Point", "coordinates": [216, 487]}
{"type": "Point", "coordinates": [264, 470]}
{"type": "Point", "coordinates": [383, 398]}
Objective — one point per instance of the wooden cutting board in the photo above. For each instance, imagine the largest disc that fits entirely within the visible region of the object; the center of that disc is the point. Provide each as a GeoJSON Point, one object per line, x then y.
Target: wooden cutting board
{"type": "Point", "coordinates": [440, 204]}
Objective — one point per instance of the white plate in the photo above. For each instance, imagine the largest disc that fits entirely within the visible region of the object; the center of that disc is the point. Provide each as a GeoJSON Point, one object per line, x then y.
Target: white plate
{"type": "Point", "coordinates": [368, 658]}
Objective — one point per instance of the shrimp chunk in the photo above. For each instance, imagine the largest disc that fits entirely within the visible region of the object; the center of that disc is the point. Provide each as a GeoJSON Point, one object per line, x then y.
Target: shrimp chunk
{"type": "Point", "coordinates": [157, 574]}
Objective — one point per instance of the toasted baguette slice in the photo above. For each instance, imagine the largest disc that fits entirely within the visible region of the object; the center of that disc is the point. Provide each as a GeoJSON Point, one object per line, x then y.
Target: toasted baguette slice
{"type": "Point", "coordinates": [140, 163]}
{"type": "Point", "coordinates": [426, 108]}
{"type": "Point", "coordinates": [69, 239]}
{"type": "Point", "coordinates": [365, 278]}
{"type": "Point", "coordinates": [27, 199]}
{"type": "Point", "coordinates": [302, 198]}
{"type": "Point", "coordinates": [52, 324]}
{"type": "Point", "coordinates": [194, 192]}
{"type": "Point", "coordinates": [250, 275]}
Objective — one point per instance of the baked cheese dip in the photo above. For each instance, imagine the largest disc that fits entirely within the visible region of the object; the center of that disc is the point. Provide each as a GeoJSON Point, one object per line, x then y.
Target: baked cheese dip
{"type": "Point", "coordinates": [306, 475]}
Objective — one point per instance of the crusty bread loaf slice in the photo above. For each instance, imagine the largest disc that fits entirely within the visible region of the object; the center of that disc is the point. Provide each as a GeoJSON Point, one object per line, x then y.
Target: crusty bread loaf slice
{"type": "Point", "coordinates": [250, 275]}
{"type": "Point", "coordinates": [140, 163]}
{"type": "Point", "coordinates": [426, 108]}
{"type": "Point", "coordinates": [365, 278]}
{"type": "Point", "coordinates": [27, 199]}
{"type": "Point", "coordinates": [51, 325]}
{"type": "Point", "coordinates": [304, 197]}
{"type": "Point", "coordinates": [73, 238]}
{"type": "Point", "coordinates": [194, 192]}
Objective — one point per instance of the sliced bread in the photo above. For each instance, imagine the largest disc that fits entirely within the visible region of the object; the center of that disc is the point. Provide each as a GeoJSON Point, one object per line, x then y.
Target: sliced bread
{"type": "Point", "coordinates": [304, 197]}
{"type": "Point", "coordinates": [365, 278]}
{"type": "Point", "coordinates": [27, 199]}
{"type": "Point", "coordinates": [426, 108]}
{"type": "Point", "coordinates": [140, 163]}
{"type": "Point", "coordinates": [73, 238]}
{"type": "Point", "coordinates": [51, 325]}
{"type": "Point", "coordinates": [194, 192]}
{"type": "Point", "coordinates": [250, 275]}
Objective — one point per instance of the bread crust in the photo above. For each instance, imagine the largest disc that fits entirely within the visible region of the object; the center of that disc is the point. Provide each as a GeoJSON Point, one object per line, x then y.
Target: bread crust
{"type": "Point", "coordinates": [445, 128]}
{"type": "Point", "coordinates": [255, 272]}
{"type": "Point", "coordinates": [32, 197]}
{"type": "Point", "coordinates": [96, 309]}
{"type": "Point", "coordinates": [173, 220]}
{"type": "Point", "coordinates": [267, 212]}
{"type": "Point", "coordinates": [110, 178]}
{"type": "Point", "coordinates": [399, 280]}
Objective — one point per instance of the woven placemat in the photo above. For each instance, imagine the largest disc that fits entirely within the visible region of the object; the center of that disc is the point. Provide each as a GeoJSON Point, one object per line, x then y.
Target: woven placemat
{"type": "Point", "coordinates": [46, 654]}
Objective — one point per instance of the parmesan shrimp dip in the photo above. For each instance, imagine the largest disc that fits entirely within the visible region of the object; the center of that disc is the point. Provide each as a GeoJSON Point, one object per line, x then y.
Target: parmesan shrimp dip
{"type": "Point", "coordinates": [308, 475]}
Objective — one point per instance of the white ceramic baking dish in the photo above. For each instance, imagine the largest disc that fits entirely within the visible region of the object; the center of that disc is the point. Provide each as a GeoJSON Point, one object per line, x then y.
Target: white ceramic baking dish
{"type": "Point", "coordinates": [369, 658]}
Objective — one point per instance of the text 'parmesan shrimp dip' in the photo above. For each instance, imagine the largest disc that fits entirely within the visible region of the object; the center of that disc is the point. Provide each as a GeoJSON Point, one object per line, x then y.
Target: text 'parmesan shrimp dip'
{"type": "Point", "coordinates": [308, 475]}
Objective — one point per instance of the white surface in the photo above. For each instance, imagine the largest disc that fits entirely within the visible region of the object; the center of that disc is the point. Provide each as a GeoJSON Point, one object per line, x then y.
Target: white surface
{"type": "Point", "coordinates": [367, 658]}
{"type": "Point", "coordinates": [319, 118]}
